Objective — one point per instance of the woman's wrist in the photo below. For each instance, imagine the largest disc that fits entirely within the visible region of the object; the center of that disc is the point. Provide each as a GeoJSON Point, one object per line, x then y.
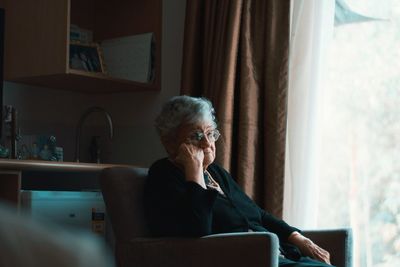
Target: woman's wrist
{"type": "Point", "coordinates": [195, 174]}
{"type": "Point", "coordinates": [293, 234]}
{"type": "Point", "coordinates": [296, 237]}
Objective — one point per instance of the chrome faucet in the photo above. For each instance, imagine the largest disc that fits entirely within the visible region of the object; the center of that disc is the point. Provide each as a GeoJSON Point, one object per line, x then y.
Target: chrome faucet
{"type": "Point", "coordinates": [82, 120]}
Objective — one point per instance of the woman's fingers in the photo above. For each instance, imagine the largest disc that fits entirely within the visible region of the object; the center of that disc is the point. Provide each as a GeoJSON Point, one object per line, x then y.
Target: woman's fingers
{"type": "Point", "coordinates": [189, 154]}
{"type": "Point", "coordinates": [309, 248]}
{"type": "Point", "coordinates": [319, 253]}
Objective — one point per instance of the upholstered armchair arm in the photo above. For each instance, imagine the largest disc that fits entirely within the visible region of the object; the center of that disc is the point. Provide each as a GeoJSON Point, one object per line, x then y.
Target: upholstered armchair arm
{"type": "Point", "coordinates": [237, 249]}
{"type": "Point", "coordinates": [338, 242]}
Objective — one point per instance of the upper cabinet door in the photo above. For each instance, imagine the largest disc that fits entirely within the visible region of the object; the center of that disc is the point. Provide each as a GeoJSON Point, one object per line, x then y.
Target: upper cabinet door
{"type": "Point", "coordinates": [36, 38]}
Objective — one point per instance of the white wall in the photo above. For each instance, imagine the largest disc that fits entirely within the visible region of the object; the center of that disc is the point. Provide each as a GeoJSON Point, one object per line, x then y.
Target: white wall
{"type": "Point", "coordinates": [48, 111]}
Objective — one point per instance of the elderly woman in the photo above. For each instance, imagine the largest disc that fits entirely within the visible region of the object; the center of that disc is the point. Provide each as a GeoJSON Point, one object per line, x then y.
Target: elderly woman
{"type": "Point", "coordinates": [189, 195]}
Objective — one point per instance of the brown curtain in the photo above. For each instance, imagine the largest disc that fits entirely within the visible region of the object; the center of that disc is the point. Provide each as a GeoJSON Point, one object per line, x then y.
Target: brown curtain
{"type": "Point", "coordinates": [236, 54]}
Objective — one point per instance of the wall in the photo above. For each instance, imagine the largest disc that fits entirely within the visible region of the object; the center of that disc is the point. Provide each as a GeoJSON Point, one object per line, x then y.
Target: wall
{"type": "Point", "coordinates": [47, 111]}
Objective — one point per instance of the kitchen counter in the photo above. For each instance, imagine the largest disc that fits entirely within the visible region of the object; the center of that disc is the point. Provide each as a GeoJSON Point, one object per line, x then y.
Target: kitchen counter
{"type": "Point", "coordinates": [29, 165]}
{"type": "Point", "coordinates": [17, 175]}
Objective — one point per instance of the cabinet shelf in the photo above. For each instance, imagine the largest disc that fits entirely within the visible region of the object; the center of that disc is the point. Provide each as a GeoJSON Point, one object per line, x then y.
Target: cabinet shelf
{"type": "Point", "coordinates": [37, 41]}
{"type": "Point", "coordinates": [87, 82]}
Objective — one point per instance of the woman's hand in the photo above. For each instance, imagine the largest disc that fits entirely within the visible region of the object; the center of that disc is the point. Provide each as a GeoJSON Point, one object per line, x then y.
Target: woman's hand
{"type": "Point", "coordinates": [191, 158]}
{"type": "Point", "coordinates": [309, 248]}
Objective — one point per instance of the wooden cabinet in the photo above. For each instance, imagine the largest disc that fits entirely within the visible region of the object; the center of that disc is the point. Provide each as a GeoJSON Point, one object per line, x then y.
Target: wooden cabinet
{"type": "Point", "coordinates": [10, 187]}
{"type": "Point", "coordinates": [70, 175]}
{"type": "Point", "coordinates": [37, 40]}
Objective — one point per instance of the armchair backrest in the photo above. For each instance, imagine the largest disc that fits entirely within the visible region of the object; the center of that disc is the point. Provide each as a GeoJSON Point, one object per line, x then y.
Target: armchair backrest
{"type": "Point", "coordinates": [123, 189]}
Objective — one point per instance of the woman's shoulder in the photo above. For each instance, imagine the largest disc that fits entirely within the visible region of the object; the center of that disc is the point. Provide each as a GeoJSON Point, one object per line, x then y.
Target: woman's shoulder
{"type": "Point", "coordinates": [161, 166]}
{"type": "Point", "coordinates": [163, 174]}
{"type": "Point", "coordinates": [160, 163]}
{"type": "Point", "coordinates": [157, 172]}
{"type": "Point", "coordinates": [164, 168]}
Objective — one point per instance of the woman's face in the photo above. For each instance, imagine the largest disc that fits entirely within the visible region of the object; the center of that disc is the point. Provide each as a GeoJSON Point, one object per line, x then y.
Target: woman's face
{"type": "Point", "coordinates": [197, 135]}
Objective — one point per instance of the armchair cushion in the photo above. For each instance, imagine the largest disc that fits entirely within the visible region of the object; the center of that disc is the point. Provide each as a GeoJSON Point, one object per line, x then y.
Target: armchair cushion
{"type": "Point", "coordinates": [234, 250]}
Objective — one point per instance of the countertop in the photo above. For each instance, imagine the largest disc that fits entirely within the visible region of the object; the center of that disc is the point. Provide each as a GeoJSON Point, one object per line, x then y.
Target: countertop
{"type": "Point", "coordinates": [41, 165]}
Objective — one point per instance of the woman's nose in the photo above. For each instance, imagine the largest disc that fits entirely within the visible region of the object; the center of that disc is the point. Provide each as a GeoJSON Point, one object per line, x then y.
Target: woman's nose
{"type": "Point", "coordinates": [205, 142]}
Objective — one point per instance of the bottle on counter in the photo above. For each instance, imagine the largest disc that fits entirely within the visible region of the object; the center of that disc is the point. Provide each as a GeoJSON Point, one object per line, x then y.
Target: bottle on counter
{"type": "Point", "coordinates": [45, 153]}
{"type": "Point", "coordinates": [35, 151]}
{"type": "Point", "coordinates": [98, 221]}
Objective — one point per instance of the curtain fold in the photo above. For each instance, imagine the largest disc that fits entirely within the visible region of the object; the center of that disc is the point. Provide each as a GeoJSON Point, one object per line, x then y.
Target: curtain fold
{"type": "Point", "coordinates": [312, 26]}
{"type": "Point", "coordinates": [236, 54]}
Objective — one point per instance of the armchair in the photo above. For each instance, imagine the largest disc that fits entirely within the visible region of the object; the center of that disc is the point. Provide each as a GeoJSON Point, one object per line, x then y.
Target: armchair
{"type": "Point", "coordinates": [122, 189]}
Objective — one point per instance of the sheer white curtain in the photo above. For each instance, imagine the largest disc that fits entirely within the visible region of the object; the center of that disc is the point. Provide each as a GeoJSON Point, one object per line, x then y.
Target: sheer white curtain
{"type": "Point", "coordinates": [312, 23]}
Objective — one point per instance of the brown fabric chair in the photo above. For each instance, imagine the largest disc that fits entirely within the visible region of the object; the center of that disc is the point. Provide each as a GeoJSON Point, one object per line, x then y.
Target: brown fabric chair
{"type": "Point", "coordinates": [122, 189]}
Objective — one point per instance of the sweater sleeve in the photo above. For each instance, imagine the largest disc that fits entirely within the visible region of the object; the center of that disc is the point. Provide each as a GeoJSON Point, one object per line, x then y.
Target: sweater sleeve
{"type": "Point", "coordinates": [197, 213]}
{"type": "Point", "coordinates": [175, 207]}
{"type": "Point", "coordinates": [268, 221]}
{"type": "Point", "coordinates": [277, 226]}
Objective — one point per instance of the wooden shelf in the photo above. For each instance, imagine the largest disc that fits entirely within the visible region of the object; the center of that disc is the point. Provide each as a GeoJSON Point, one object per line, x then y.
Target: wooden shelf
{"type": "Point", "coordinates": [37, 41]}
{"type": "Point", "coordinates": [87, 82]}
{"type": "Point", "coordinates": [9, 165]}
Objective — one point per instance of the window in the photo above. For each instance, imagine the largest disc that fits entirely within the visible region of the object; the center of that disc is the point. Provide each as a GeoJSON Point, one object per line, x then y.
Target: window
{"type": "Point", "coordinates": [360, 124]}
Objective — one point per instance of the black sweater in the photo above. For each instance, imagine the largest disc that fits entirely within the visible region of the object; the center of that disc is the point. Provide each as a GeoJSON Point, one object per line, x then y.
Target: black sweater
{"type": "Point", "coordinates": [175, 207]}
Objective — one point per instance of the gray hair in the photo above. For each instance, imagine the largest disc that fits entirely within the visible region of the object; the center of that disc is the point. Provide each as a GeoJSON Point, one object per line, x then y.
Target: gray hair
{"type": "Point", "coordinates": [181, 110]}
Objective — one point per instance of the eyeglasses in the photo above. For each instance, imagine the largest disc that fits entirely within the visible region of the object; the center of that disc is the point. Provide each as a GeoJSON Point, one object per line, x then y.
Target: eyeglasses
{"type": "Point", "coordinates": [197, 136]}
